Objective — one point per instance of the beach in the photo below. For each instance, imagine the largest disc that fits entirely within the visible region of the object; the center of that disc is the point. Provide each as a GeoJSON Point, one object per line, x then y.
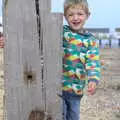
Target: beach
{"type": "Point", "coordinates": [105, 103]}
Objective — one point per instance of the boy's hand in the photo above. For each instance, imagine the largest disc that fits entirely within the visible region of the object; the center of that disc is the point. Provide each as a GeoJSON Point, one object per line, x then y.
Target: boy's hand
{"type": "Point", "coordinates": [91, 88]}
{"type": "Point", "coordinates": [1, 42]}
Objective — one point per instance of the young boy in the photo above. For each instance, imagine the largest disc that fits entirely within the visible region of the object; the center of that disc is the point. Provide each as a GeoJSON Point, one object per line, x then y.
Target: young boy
{"type": "Point", "coordinates": [81, 63]}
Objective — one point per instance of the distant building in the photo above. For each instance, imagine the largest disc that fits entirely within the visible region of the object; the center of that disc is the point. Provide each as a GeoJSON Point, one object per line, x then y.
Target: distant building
{"type": "Point", "coordinates": [98, 30]}
{"type": "Point", "coordinates": [100, 33]}
{"type": "Point", "coordinates": [117, 30]}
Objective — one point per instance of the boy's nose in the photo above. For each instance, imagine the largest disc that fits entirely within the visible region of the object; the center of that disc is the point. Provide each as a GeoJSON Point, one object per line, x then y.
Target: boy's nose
{"type": "Point", "coordinates": [75, 17]}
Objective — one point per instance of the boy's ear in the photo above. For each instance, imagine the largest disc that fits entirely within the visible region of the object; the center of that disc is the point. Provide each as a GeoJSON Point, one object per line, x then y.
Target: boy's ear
{"type": "Point", "coordinates": [65, 17]}
{"type": "Point", "coordinates": [88, 15]}
{"type": "Point", "coordinates": [64, 14]}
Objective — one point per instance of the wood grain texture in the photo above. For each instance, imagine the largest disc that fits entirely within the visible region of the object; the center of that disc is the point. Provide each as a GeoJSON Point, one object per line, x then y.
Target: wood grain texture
{"type": "Point", "coordinates": [21, 55]}
{"type": "Point", "coordinates": [52, 42]}
{"type": "Point", "coordinates": [25, 89]}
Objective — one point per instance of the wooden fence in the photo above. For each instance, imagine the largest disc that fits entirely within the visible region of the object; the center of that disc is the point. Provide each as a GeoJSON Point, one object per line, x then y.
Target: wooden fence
{"type": "Point", "coordinates": [33, 35]}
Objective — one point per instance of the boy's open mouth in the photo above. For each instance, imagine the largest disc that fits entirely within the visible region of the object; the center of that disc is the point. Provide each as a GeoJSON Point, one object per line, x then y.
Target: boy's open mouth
{"type": "Point", "coordinates": [76, 23]}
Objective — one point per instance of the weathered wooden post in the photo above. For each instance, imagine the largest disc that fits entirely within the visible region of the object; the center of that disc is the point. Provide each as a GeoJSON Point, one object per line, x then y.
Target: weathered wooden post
{"type": "Point", "coordinates": [32, 32]}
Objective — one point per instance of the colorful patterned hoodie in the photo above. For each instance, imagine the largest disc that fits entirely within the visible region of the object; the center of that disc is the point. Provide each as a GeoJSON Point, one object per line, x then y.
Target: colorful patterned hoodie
{"type": "Point", "coordinates": [81, 62]}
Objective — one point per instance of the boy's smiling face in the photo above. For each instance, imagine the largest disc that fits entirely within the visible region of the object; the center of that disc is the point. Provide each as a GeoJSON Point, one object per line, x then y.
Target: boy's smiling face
{"type": "Point", "coordinates": [76, 18]}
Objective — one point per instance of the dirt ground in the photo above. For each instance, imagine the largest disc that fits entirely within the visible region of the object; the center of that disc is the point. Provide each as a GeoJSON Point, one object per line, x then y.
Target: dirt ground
{"type": "Point", "coordinates": [105, 103]}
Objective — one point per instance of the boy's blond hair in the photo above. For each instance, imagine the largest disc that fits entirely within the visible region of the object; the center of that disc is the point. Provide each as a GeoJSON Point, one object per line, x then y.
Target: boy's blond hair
{"type": "Point", "coordinates": [76, 3]}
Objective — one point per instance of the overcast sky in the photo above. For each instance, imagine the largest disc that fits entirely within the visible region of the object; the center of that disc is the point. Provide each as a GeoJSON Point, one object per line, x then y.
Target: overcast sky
{"type": "Point", "coordinates": [104, 13]}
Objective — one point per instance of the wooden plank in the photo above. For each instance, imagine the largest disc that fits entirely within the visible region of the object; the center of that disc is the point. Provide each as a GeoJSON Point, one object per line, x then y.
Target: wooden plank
{"type": "Point", "coordinates": [53, 64]}
{"type": "Point", "coordinates": [32, 55]}
{"type": "Point", "coordinates": [11, 62]}
{"type": "Point", "coordinates": [45, 5]}
{"type": "Point", "coordinates": [21, 56]}
{"type": "Point", "coordinates": [22, 60]}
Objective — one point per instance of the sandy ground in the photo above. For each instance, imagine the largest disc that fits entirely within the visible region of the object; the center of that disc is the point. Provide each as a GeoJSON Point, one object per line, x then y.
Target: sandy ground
{"type": "Point", "coordinates": [105, 103]}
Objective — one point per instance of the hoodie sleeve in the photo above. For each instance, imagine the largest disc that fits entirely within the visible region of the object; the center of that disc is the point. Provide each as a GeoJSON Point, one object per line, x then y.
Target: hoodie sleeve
{"type": "Point", "coordinates": [93, 61]}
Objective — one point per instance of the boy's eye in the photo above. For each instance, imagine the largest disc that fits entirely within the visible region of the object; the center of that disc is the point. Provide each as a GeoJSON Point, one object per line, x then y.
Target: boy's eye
{"type": "Point", "coordinates": [81, 14]}
{"type": "Point", "coordinates": [70, 15]}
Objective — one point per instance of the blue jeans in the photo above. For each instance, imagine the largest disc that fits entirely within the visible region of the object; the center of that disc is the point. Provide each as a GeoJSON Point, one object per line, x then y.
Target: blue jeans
{"type": "Point", "coordinates": [71, 106]}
